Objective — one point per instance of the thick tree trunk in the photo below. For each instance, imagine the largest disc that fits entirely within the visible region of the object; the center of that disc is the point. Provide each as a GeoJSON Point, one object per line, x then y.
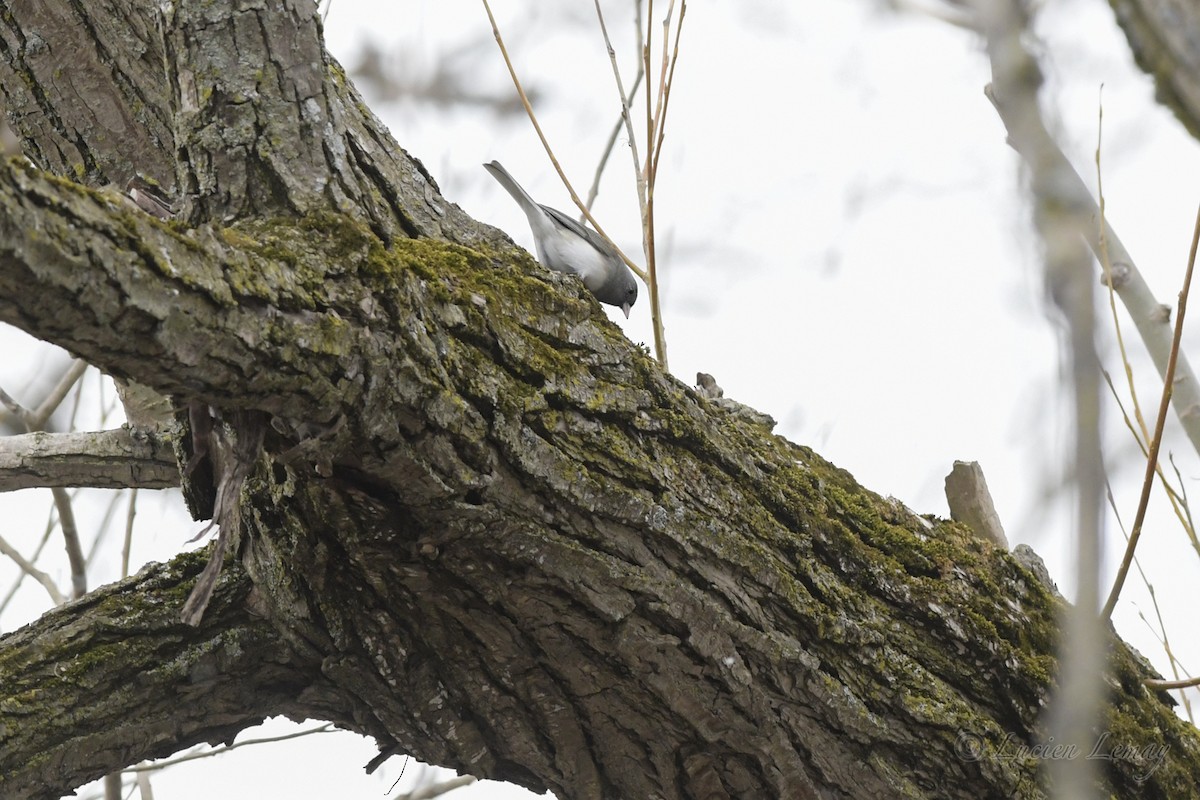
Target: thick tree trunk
{"type": "Point", "coordinates": [482, 526]}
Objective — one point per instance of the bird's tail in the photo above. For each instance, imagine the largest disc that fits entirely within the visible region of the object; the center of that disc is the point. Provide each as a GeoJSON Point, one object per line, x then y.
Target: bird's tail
{"type": "Point", "coordinates": [526, 202]}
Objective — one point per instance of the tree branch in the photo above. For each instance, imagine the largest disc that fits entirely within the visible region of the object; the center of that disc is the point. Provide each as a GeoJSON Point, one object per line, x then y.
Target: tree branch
{"type": "Point", "coordinates": [511, 543]}
{"type": "Point", "coordinates": [27, 567]}
{"type": "Point", "coordinates": [1033, 142]}
{"type": "Point", "coordinates": [115, 678]}
{"type": "Point", "coordinates": [106, 460]}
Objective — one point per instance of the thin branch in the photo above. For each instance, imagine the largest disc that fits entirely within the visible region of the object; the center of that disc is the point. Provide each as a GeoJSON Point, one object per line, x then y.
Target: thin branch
{"type": "Point", "coordinates": [1141, 434]}
{"type": "Point", "coordinates": [644, 175]}
{"type": "Point", "coordinates": [662, 123]}
{"type": "Point", "coordinates": [1159, 424]}
{"type": "Point", "coordinates": [1166, 686]}
{"type": "Point", "coordinates": [594, 189]}
{"type": "Point", "coordinates": [655, 142]}
{"type": "Point", "coordinates": [655, 131]}
{"type": "Point", "coordinates": [1107, 267]}
{"type": "Point", "coordinates": [157, 765]}
{"type": "Point", "coordinates": [70, 531]}
{"type": "Point", "coordinates": [1177, 498]}
{"type": "Point", "coordinates": [1032, 142]}
{"type": "Point", "coordinates": [649, 115]}
{"type": "Point", "coordinates": [662, 69]}
{"type": "Point", "coordinates": [41, 415]}
{"type": "Point", "coordinates": [626, 117]}
{"type": "Point", "coordinates": [1161, 633]}
{"type": "Point", "coordinates": [437, 789]}
{"type": "Point", "coordinates": [16, 409]}
{"type": "Point", "coordinates": [107, 397]}
{"type": "Point", "coordinates": [29, 569]}
{"type": "Point", "coordinates": [35, 419]}
{"type": "Point", "coordinates": [128, 543]}
{"type": "Point", "coordinates": [102, 529]}
{"type": "Point", "coordinates": [1189, 521]}
{"type": "Point", "coordinates": [47, 532]}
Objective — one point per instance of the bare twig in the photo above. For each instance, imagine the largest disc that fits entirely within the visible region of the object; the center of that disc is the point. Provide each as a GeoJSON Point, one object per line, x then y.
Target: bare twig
{"type": "Point", "coordinates": [1159, 424]}
{"type": "Point", "coordinates": [660, 339]}
{"type": "Point", "coordinates": [35, 419]}
{"type": "Point", "coordinates": [1189, 521]}
{"type": "Point", "coordinates": [655, 131]}
{"type": "Point", "coordinates": [594, 189]}
{"type": "Point", "coordinates": [626, 117]}
{"type": "Point", "coordinates": [644, 171]}
{"type": "Point", "coordinates": [1141, 434]}
{"type": "Point", "coordinates": [70, 531]}
{"type": "Point", "coordinates": [157, 765]}
{"type": "Point", "coordinates": [1034, 142]}
{"type": "Point", "coordinates": [1161, 632]}
{"type": "Point", "coordinates": [649, 115]}
{"type": "Point", "coordinates": [16, 409]}
{"type": "Point", "coordinates": [1107, 267]}
{"type": "Point", "coordinates": [76, 403]}
{"type": "Point", "coordinates": [38, 418]}
{"type": "Point", "coordinates": [27, 568]}
{"type": "Point", "coordinates": [110, 511]}
{"type": "Point", "coordinates": [437, 789]}
{"type": "Point", "coordinates": [1177, 498]}
{"type": "Point", "coordinates": [662, 75]}
{"type": "Point", "coordinates": [1161, 635]}
{"type": "Point", "coordinates": [128, 543]}
{"type": "Point", "coordinates": [670, 81]}
{"type": "Point", "coordinates": [51, 522]}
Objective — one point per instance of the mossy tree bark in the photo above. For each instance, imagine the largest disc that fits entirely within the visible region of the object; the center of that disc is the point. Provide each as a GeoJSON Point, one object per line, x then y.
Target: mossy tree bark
{"type": "Point", "coordinates": [481, 527]}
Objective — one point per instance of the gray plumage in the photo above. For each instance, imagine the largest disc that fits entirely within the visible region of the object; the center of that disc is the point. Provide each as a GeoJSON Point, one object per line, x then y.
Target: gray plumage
{"type": "Point", "coordinates": [566, 246]}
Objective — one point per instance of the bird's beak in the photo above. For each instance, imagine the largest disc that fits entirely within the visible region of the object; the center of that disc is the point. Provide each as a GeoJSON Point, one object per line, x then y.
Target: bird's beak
{"type": "Point", "coordinates": [625, 307]}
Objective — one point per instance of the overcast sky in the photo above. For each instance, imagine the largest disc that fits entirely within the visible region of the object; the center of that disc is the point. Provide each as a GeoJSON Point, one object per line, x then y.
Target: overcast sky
{"type": "Point", "coordinates": [844, 246]}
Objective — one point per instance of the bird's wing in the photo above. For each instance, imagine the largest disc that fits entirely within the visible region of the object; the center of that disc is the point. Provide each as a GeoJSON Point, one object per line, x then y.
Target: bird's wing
{"type": "Point", "coordinates": [594, 239]}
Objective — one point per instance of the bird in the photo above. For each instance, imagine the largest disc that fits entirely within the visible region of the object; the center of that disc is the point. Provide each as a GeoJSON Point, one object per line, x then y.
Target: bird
{"type": "Point", "coordinates": [566, 246]}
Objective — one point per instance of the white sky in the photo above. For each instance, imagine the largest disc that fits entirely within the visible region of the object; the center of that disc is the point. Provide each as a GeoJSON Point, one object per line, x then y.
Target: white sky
{"type": "Point", "coordinates": [845, 248]}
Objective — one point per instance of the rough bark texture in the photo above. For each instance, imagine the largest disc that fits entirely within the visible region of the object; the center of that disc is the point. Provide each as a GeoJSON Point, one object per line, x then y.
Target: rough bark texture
{"type": "Point", "coordinates": [1164, 36]}
{"type": "Point", "coordinates": [484, 528]}
{"type": "Point", "coordinates": [115, 678]}
{"type": "Point", "coordinates": [109, 460]}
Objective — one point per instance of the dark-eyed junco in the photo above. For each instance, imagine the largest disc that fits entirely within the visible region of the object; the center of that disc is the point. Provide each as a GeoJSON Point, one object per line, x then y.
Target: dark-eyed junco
{"type": "Point", "coordinates": [565, 245]}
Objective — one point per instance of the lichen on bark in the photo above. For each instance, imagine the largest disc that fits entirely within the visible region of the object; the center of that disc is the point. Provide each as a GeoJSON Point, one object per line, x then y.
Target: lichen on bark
{"type": "Point", "coordinates": [484, 528]}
